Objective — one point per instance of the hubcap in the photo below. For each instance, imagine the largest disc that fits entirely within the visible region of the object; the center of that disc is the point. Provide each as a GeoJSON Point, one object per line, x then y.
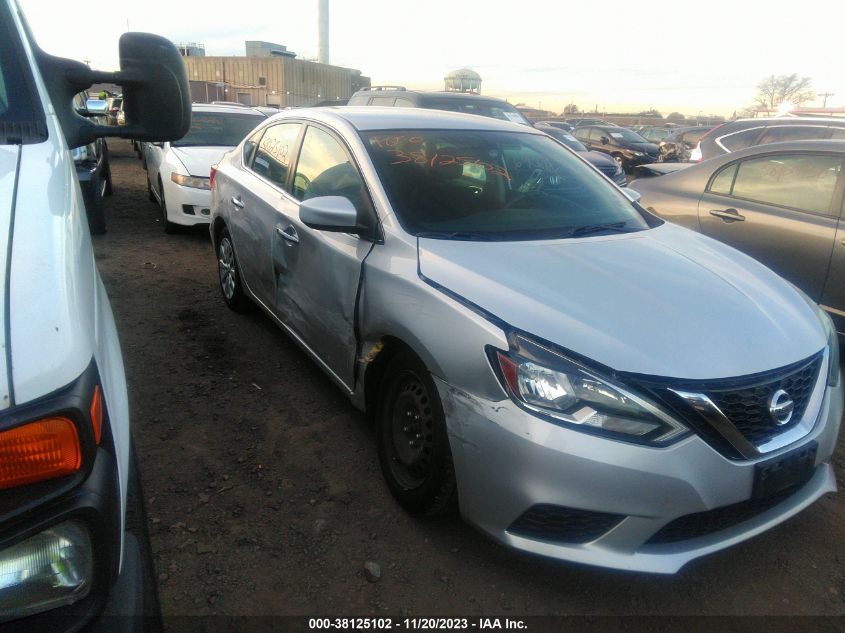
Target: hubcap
{"type": "Point", "coordinates": [412, 432]}
{"type": "Point", "coordinates": [226, 267]}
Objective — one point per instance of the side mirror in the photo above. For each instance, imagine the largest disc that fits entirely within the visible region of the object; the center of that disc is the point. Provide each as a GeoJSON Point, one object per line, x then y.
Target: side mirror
{"type": "Point", "coordinates": [156, 95]}
{"type": "Point", "coordinates": [331, 213]}
{"type": "Point", "coordinates": [633, 196]}
{"type": "Point", "coordinates": [605, 140]}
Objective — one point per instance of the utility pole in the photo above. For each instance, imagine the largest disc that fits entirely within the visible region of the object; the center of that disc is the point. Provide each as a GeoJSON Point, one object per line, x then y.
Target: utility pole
{"type": "Point", "coordinates": [824, 96]}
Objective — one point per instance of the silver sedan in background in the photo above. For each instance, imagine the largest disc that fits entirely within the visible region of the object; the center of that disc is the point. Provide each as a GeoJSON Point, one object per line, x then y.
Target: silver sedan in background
{"type": "Point", "coordinates": [581, 379]}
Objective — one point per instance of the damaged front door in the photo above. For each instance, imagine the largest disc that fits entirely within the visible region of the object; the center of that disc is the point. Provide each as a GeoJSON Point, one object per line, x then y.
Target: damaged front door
{"type": "Point", "coordinates": [317, 272]}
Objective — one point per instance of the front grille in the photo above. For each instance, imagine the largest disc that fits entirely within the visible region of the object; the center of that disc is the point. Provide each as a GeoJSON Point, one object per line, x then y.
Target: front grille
{"type": "Point", "coordinates": [564, 525]}
{"type": "Point", "coordinates": [748, 409]}
{"type": "Point", "coordinates": [744, 402]}
{"type": "Point", "coordinates": [711, 521]}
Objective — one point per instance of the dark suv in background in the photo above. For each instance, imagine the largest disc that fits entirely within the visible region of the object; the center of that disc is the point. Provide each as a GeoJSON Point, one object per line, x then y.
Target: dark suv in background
{"type": "Point", "coordinates": [626, 147]}
{"type": "Point", "coordinates": [737, 135]}
{"type": "Point", "coordinates": [399, 97]}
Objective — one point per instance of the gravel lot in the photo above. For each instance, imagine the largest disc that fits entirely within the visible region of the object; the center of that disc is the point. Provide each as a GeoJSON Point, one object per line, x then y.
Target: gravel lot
{"type": "Point", "coordinates": [265, 497]}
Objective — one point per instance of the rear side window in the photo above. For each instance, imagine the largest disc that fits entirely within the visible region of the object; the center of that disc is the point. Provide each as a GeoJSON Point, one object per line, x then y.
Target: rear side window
{"type": "Point", "coordinates": [272, 159]}
{"type": "Point", "coordinates": [325, 169]}
{"type": "Point", "coordinates": [403, 103]}
{"type": "Point", "coordinates": [694, 136]}
{"type": "Point", "coordinates": [792, 133]}
{"type": "Point", "coordinates": [740, 140]}
{"type": "Point", "coordinates": [799, 181]}
{"type": "Point", "coordinates": [382, 101]}
{"type": "Point", "coordinates": [250, 146]}
{"type": "Point", "coordinates": [723, 181]}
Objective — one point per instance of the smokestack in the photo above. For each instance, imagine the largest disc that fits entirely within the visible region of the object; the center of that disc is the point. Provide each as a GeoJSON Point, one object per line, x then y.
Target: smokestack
{"type": "Point", "coordinates": [323, 21]}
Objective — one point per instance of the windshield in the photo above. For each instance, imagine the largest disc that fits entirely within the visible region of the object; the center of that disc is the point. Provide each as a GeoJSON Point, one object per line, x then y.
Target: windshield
{"type": "Point", "coordinates": [564, 137]}
{"type": "Point", "coordinates": [219, 128]}
{"type": "Point", "coordinates": [494, 185]}
{"type": "Point", "coordinates": [492, 109]}
{"type": "Point", "coordinates": [624, 134]}
{"type": "Point", "coordinates": [21, 118]}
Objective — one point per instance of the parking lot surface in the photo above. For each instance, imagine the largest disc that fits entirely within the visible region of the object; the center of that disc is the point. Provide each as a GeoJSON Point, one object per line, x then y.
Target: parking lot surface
{"type": "Point", "coordinates": [265, 497]}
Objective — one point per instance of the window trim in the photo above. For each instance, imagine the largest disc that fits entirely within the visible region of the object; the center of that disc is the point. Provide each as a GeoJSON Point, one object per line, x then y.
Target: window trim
{"type": "Point", "coordinates": [378, 236]}
{"type": "Point", "coordinates": [296, 144]}
{"type": "Point", "coordinates": [836, 203]}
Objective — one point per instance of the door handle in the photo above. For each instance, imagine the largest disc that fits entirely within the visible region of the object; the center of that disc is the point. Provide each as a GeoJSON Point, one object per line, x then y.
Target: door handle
{"type": "Point", "coordinates": [236, 200]}
{"type": "Point", "coordinates": [289, 234]}
{"type": "Point", "coordinates": [728, 215]}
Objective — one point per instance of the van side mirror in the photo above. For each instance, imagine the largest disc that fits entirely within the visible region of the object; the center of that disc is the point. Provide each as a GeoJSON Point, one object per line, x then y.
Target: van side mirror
{"type": "Point", "coordinates": [156, 95]}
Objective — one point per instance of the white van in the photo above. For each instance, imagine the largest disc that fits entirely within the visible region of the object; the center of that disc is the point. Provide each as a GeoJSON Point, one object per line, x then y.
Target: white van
{"type": "Point", "coordinates": [70, 513]}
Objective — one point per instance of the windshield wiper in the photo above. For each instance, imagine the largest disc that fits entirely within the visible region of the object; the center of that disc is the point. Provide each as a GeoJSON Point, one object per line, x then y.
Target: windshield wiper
{"type": "Point", "coordinates": [456, 235]}
{"type": "Point", "coordinates": [618, 227]}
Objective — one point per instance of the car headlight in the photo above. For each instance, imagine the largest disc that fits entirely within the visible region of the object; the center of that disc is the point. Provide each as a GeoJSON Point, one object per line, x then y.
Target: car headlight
{"type": "Point", "coordinates": [52, 569]}
{"type": "Point", "coordinates": [637, 154]}
{"type": "Point", "coordinates": [564, 391]}
{"type": "Point", "coordinates": [832, 347]}
{"type": "Point", "coordinates": [195, 182]}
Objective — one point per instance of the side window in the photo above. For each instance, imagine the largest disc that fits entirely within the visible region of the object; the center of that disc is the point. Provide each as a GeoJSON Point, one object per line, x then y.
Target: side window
{"type": "Point", "coordinates": [693, 136]}
{"type": "Point", "coordinates": [272, 159]}
{"type": "Point", "coordinates": [740, 140]}
{"type": "Point", "coordinates": [250, 146]}
{"type": "Point", "coordinates": [798, 181]}
{"type": "Point", "coordinates": [723, 181]}
{"type": "Point", "coordinates": [776, 134]}
{"type": "Point", "coordinates": [401, 102]}
{"type": "Point", "coordinates": [382, 101]}
{"type": "Point", "coordinates": [325, 169]}
{"type": "Point", "coordinates": [582, 133]}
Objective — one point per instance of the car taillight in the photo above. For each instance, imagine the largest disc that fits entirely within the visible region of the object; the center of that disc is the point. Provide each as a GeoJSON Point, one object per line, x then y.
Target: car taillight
{"type": "Point", "coordinates": [40, 450]}
{"type": "Point", "coordinates": [211, 176]}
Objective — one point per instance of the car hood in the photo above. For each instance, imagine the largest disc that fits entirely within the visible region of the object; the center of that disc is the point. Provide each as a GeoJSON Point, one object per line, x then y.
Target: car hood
{"type": "Point", "coordinates": [598, 159]}
{"type": "Point", "coordinates": [662, 302]}
{"type": "Point", "coordinates": [198, 160]}
{"type": "Point", "coordinates": [648, 148]}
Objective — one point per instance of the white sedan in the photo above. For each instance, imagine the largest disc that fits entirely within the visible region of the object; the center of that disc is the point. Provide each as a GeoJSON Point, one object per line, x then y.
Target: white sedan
{"type": "Point", "coordinates": [178, 172]}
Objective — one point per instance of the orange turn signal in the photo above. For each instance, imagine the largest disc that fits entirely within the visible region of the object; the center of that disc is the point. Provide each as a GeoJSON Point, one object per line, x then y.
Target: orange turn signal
{"type": "Point", "coordinates": [40, 450]}
{"type": "Point", "coordinates": [97, 413]}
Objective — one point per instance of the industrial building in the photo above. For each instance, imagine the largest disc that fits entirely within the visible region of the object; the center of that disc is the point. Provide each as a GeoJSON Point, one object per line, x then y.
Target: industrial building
{"type": "Point", "coordinates": [270, 75]}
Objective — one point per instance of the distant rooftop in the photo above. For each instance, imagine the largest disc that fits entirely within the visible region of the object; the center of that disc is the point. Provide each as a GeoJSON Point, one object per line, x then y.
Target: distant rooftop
{"type": "Point", "coordinates": [257, 48]}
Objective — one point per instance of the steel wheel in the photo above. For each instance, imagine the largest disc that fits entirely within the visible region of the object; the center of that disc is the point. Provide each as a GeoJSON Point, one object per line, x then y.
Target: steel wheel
{"type": "Point", "coordinates": [412, 432]}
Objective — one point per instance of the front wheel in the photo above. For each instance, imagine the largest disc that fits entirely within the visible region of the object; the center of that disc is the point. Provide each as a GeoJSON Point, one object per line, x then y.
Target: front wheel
{"type": "Point", "coordinates": [169, 227]}
{"type": "Point", "coordinates": [413, 445]}
{"type": "Point", "coordinates": [229, 273]}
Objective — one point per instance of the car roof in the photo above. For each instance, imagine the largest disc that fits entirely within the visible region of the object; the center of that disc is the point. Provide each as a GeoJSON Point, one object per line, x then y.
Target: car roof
{"type": "Point", "coordinates": [790, 120]}
{"type": "Point", "coordinates": [452, 95]}
{"type": "Point", "coordinates": [826, 145]}
{"type": "Point", "coordinates": [207, 107]}
{"type": "Point", "coordinates": [368, 118]}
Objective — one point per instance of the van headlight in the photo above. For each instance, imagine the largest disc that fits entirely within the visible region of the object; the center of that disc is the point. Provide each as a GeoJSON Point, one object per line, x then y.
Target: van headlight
{"type": "Point", "coordinates": [563, 391]}
{"type": "Point", "coordinates": [52, 569]}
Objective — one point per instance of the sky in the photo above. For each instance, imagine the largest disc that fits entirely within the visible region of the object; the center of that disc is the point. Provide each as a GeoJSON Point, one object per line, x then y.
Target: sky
{"type": "Point", "coordinates": [690, 57]}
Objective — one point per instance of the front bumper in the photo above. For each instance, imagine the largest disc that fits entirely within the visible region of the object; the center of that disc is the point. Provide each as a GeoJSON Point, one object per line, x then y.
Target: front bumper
{"type": "Point", "coordinates": [508, 461]}
{"type": "Point", "coordinates": [187, 205]}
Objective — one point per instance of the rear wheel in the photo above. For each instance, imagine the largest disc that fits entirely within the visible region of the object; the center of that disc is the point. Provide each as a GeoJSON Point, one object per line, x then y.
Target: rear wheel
{"type": "Point", "coordinates": [229, 273]}
{"type": "Point", "coordinates": [413, 445]}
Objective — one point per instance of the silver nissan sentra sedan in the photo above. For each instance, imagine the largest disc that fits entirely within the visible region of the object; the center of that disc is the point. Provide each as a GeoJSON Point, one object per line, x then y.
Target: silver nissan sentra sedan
{"type": "Point", "coordinates": [581, 379]}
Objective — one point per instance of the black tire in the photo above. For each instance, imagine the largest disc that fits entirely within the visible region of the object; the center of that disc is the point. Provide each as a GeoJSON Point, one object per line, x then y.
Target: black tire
{"type": "Point", "coordinates": [136, 522]}
{"type": "Point", "coordinates": [94, 206]}
{"type": "Point", "coordinates": [229, 273]}
{"type": "Point", "coordinates": [413, 445]}
{"type": "Point", "coordinates": [169, 227]}
{"type": "Point", "coordinates": [107, 171]}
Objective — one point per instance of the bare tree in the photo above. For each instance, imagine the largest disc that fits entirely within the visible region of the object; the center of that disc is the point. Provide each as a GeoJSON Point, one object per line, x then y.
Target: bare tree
{"type": "Point", "coordinates": [777, 89]}
{"type": "Point", "coordinates": [571, 109]}
{"type": "Point", "coordinates": [676, 116]}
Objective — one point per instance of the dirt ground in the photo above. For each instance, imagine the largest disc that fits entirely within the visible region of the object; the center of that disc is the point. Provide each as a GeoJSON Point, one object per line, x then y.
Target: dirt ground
{"type": "Point", "coordinates": [264, 493]}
